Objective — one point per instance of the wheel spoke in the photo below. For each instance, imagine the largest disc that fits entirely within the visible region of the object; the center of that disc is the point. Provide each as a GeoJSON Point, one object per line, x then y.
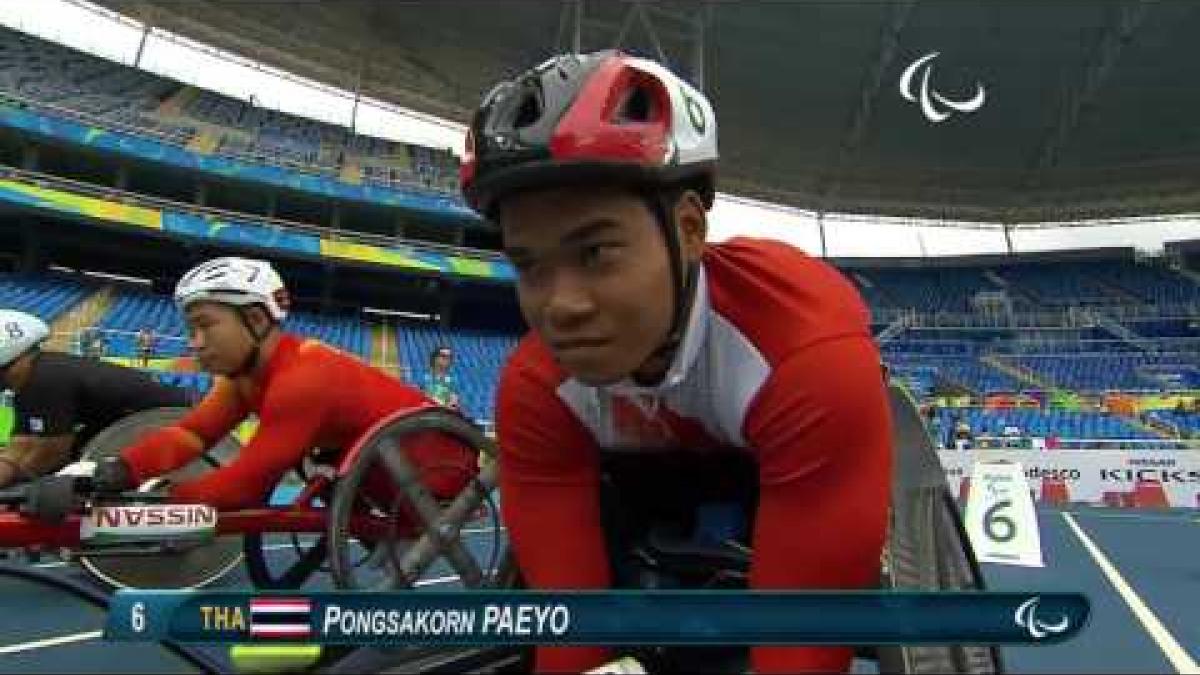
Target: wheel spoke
{"type": "Point", "coordinates": [442, 528]}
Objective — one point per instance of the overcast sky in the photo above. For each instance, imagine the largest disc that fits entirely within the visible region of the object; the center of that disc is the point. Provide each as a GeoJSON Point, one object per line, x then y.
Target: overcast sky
{"type": "Point", "coordinates": [92, 29]}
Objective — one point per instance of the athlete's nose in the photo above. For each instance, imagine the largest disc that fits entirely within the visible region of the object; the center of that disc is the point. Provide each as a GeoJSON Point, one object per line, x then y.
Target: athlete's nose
{"type": "Point", "coordinates": [568, 300]}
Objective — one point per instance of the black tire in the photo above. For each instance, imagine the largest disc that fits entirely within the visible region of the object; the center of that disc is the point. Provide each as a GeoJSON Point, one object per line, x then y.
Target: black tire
{"type": "Point", "coordinates": [306, 559]}
{"type": "Point", "coordinates": [195, 568]}
{"type": "Point", "coordinates": [927, 547]}
{"type": "Point", "coordinates": [348, 494]}
{"type": "Point", "coordinates": [928, 550]}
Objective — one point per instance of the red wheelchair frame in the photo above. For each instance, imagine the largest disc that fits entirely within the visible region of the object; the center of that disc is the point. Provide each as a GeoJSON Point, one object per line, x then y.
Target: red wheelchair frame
{"type": "Point", "coordinates": [18, 530]}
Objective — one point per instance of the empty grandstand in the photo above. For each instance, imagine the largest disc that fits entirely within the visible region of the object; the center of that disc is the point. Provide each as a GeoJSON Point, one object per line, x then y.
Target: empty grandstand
{"type": "Point", "coordinates": [971, 327]}
{"type": "Point", "coordinates": [40, 72]}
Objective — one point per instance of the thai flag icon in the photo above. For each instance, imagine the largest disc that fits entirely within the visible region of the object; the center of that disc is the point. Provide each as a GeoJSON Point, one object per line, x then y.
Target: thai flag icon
{"type": "Point", "coordinates": [280, 617]}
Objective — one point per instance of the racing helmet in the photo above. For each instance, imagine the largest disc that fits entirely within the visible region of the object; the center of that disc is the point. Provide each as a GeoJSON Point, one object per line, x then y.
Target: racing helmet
{"type": "Point", "coordinates": [588, 118]}
{"type": "Point", "coordinates": [19, 332]}
{"type": "Point", "coordinates": [600, 118]}
{"type": "Point", "coordinates": [241, 282]}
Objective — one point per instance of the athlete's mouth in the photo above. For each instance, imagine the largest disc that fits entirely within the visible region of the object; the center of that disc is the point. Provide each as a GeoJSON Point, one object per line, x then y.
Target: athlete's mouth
{"type": "Point", "coordinates": [565, 346]}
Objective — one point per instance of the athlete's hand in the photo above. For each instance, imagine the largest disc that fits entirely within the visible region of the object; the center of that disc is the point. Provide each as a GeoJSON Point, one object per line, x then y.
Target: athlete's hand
{"type": "Point", "coordinates": [112, 475]}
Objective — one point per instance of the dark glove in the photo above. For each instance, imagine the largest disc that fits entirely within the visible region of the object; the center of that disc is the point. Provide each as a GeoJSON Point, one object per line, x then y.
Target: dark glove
{"type": "Point", "coordinates": [112, 476]}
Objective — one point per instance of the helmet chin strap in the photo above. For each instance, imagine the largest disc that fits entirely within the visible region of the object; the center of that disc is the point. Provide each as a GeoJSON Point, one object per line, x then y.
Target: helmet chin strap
{"type": "Point", "coordinates": [251, 360]}
{"type": "Point", "coordinates": [683, 278]}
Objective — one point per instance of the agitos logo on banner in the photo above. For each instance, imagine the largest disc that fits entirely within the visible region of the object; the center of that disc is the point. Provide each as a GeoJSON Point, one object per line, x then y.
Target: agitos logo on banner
{"type": "Point", "coordinates": [935, 106]}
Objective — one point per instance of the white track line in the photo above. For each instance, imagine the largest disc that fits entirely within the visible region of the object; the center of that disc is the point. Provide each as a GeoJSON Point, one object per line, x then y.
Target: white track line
{"type": "Point", "coordinates": [1144, 517]}
{"type": "Point", "coordinates": [1178, 657]}
{"type": "Point", "coordinates": [50, 642]}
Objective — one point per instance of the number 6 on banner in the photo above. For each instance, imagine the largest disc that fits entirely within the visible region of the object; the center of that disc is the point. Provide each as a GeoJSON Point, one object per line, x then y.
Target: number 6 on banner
{"type": "Point", "coordinates": [991, 518]}
{"type": "Point", "coordinates": [1001, 522]}
{"type": "Point", "coordinates": [137, 617]}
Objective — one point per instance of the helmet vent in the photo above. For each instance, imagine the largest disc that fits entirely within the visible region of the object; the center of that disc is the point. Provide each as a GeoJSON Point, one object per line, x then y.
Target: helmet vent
{"type": "Point", "coordinates": [529, 112]}
{"type": "Point", "coordinates": [639, 107]}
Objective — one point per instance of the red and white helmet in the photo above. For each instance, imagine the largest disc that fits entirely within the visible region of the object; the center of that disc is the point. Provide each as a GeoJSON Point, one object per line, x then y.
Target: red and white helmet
{"type": "Point", "coordinates": [234, 281]}
{"type": "Point", "coordinates": [601, 117]}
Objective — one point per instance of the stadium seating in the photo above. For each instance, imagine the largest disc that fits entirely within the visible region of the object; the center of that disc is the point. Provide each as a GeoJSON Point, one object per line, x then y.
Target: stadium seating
{"type": "Point", "coordinates": [347, 332]}
{"type": "Point", "coordinates": [1080, 359]}
{"type": "Point", "coordinates": [55, 75]}
{"type": "Point", "coordinates": [133, 310]}
{"type": "Point", "coordinates": [1060, 284]}
{"type": "Point", "coordinates": [1152, 284]}
{"type": "Point", "coordinates": [1098, 373]}
{"type": "Point", "coordinates": [929, 290]}
{"type": "Point", "coordinates": [1185, 424]}
{"type": "Point", "coordinates": [1044, 423]}
{"type": "Point", "coordinates": [47, 297]}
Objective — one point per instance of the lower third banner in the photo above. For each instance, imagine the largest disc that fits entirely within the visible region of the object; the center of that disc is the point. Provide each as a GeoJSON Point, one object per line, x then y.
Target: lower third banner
{"type": "Point", "coordinates": [608, 618]}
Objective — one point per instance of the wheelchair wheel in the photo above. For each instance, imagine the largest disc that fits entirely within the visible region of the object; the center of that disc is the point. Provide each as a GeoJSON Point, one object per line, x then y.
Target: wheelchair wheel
{"type": "Point", "coordinates": [419, 536]}
{"type": "Point", "coordinates": [194, 568]}
{"type": "Point", "coordinates": [927, 548]}
{"type": "Point", "coordinates": [286, 560]}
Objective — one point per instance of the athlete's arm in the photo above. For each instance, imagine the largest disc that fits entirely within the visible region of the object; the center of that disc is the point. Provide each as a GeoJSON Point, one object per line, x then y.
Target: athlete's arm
{"type": "Point", "coordinates": [549, 477]}
{"type": "Point", "coordinates": [204, 426]}
{"type": "Point", "coordinates": [43, 429]}
{"type": "Point", "coordinates": [821, 427]}
{"type": "Point", "coordinates": [293, 412]}
{"type": "Point", "coordinates": [27, 457]}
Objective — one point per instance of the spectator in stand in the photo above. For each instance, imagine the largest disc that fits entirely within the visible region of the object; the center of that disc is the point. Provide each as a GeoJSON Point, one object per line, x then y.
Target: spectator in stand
{"type": "Point", "coordinates": [1012, 436]}
{"type": "Point", "coordinates": [438, 384]}
{"type": "Point", "coordinates": [963, 439]}
{"type": "Point", "coordinates": [91, 343]}
{"type": "Point", "coordinates": [933, 424]}
{"type": "Point", "coordinates": [145, 345]}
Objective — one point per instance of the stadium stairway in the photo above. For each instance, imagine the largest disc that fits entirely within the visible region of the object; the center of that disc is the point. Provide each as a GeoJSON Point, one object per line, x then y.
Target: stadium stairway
{"type": "Point", "coordinates": [383, 348]}
{"type": "Point", "coordinates": [1121, 332]}
{"type": "Point", "coordinates": [1016, 372]}
{"type": "Point", "coordinates": [1185, 271]}
{"type": "Point", "coordinates": [87, 312]}
{"type": "Point", "coordinates": [1127, 296]}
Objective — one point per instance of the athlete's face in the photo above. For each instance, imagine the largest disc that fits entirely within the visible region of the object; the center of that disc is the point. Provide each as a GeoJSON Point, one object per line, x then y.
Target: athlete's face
{"type": "Point", "coordinates": [593, 275]}
{"type": "Point", "coordinates": [218, 337]}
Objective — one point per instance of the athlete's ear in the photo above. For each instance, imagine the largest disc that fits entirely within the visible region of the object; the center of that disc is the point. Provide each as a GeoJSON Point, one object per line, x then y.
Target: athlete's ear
{"type": "Point", "coordinates": [692, 220]}
{"type": "Point", "coordinates": [260, 319]}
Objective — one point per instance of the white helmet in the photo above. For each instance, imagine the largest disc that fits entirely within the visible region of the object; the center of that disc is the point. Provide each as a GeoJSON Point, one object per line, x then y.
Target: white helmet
{"type": "Point", "coordinates": [19, 332]}
{"type": "Point", "coordinates": [234, 281]}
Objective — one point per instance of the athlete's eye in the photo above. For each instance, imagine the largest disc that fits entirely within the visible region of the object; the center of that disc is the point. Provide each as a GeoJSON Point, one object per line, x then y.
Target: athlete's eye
{"type": "Point", "coordinates": [599, 254]}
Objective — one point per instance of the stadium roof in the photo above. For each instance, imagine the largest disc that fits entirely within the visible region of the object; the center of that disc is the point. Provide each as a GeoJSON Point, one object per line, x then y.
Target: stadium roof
{"type": "Point", "coordinates": [1089, 109]}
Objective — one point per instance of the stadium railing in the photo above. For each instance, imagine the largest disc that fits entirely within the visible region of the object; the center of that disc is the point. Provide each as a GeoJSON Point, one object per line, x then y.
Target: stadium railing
{"type": "Point", "coordinates": [1068, 317]}
{"type": "Point", "coordinates": [1077, 444]}
{"type": "Point", "coordinates": [91, 189]}
{"type": "Point", "coordinates": [181, 140]}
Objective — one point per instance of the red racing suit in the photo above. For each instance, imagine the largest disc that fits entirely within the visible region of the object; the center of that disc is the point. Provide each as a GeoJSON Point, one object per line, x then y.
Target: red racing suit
{"type": "Point", "coordinates": [777, 360]}
{"type": "Point", "coordinates": [309, 395]}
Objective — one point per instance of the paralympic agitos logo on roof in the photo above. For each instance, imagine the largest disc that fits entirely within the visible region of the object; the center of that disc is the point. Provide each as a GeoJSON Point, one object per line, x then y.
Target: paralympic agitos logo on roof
{"type": "Point", "coordinates": [935, 106]}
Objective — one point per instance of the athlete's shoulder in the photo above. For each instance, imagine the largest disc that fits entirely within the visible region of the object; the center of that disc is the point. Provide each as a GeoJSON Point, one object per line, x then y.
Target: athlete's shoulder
{"type": "Point", "coordinates": [779, 297]}
{"type": "Point", "coordinates": [313, 353]}
{"type": "Point", "coordinates": [60, 368]}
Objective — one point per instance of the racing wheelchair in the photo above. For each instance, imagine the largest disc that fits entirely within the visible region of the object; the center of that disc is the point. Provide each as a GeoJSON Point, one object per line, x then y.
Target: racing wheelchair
{"type": "Point", "coordinates": [335, 501]}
